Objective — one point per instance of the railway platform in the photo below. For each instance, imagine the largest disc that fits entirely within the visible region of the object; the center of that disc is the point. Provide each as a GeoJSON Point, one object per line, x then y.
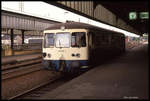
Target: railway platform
{"type": "Point", "coordinates": [125, 77]}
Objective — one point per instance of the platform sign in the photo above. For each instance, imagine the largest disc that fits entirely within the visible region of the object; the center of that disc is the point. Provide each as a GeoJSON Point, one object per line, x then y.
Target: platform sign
{"type": "Point", "coordinates": [144, 15]}
{"type": "Point", "coordinates": [132, 15]}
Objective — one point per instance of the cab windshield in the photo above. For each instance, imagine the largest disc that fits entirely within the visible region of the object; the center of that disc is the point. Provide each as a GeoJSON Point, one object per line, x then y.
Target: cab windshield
{"type": "Point", "coordinates": [63, 39]}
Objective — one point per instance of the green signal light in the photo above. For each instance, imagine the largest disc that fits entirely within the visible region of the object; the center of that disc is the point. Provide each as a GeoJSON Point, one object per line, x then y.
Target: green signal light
{"type": "Point", "coordinates": [144, 15]}
{"type": "Point", "coordinates": [132, 15]}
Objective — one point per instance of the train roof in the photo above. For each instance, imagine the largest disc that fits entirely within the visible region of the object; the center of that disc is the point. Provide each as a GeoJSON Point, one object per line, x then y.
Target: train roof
{"type": "Point", "coordinates": [72, 25]}
{"type": "Point", "coordinates": [76, 25]}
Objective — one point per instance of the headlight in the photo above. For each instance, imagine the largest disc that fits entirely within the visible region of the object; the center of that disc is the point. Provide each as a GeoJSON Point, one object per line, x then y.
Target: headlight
{"type": "Point", "coordinates": [73, 54]}
{"type": "Point", "coordinates": [44, 54]}
{"type": "Point", "coordinates": [49, 55]}
{"type": "Point", "coordinates": [78, 55]}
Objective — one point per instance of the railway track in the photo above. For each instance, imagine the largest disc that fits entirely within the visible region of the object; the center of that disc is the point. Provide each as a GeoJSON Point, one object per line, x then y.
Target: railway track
{"type": "Point", "coordinates": [19, 62]}
{"type": "Point", "coordinates": [39, 91]}
{"type": "Point", "coordinates": [16, 86]}
{"type": "Point", "coordinates": [29, 91]}
{"type": "Point", "coordinates": [21, 76]}
{"type": "Point", "coordinates": [21, 68]}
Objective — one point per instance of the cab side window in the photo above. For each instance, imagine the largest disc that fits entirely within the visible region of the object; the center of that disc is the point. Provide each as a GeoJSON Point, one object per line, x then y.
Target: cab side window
{"type": "Point", "coordinates": [78, 39]}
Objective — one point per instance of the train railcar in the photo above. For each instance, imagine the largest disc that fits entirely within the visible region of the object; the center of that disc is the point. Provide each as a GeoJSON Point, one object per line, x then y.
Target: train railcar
{"type": "Point", "coordinates": [72, 46]}
{"type": "Point", "coordinates": [33, 40]}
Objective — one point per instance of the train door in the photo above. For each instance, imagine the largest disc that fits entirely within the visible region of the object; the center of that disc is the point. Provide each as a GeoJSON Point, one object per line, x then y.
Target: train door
{"type": "Point", "coordinates": [90, 46]}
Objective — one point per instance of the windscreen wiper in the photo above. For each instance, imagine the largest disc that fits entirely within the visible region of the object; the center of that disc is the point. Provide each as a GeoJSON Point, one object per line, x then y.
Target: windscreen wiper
{"type": "Point", "coordinates": [60, 44]}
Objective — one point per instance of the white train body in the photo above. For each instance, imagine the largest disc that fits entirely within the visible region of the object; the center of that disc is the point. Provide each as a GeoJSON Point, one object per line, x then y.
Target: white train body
{"type": "Point", "coordinates": [69, 47]}
{"type": "Point", "coordinates": [65, 53]}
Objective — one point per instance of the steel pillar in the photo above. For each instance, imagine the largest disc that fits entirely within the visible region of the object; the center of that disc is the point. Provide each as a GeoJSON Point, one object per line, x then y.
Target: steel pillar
{"type": "Point", "coordinates": [22, 31]}
{"type": "Point", "coordinates": [12, 38]}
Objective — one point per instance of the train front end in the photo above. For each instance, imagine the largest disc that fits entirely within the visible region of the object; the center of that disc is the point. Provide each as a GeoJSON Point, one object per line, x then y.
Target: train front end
{"type": "Point", "coordinates": [65, 50]}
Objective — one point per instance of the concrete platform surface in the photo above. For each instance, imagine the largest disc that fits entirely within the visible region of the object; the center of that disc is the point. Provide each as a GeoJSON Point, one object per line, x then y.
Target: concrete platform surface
{"type": "Point", "coordinates": [123, 78]}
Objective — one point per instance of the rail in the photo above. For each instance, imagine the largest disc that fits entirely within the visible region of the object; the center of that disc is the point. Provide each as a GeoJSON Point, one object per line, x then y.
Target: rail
{"type": "Point", "coordinates": [18, 63]}
{"type": "Point", "coordinates": [21, 78]}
